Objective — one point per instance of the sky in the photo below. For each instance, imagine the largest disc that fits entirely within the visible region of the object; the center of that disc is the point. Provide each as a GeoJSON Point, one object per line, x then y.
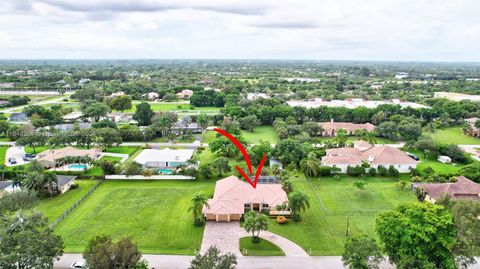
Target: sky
{"type": "Point", "coordinates": [394, 30]}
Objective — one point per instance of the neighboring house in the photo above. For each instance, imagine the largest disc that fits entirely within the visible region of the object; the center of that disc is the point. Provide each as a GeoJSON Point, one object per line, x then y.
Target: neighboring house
{"type": "Point", "coordinates": [73, 116]}
{"type": "Point", "coordinates": [70, 126]}
{"type": "Point", "coordinates": [116, 94]}
{"type": "Point", "coordinates": [18, 117]}
{"type": "Point", "coordinates": [152, 96]}
{"type": "Point", "coordinates": [455, 96]}
{"type": "Point", "coordinates": [374, 155]}
{"type": "Point", "coordinates": [462, 189]}
{"type": "Point", "coordinates": [474, 131]}
{"type": "Point", "coordinates": [233, 197]}
{"type": "Point", "coordinates": [185, 94]}
{"type": "Point", "coordinates": [352, 103]}
{"type": "Point", "coordinates": [331, 128]}
{"type": "Point", "coordinates": [180, 128]}
{"type": "Point", "coordinates": [121, 117]}
{"type": "Point", "coordinates": [50, 157]}
{"type": "Point", "coordinates": [256, 95]}
{"type": "Point", "coordinates": [276, 162]}
{"type": "Point", "coordinates": [7, 187]}
{"type": "Point", "coordinates": [164, 158]}
{"type": "Point", "coordinates": [64, 183]}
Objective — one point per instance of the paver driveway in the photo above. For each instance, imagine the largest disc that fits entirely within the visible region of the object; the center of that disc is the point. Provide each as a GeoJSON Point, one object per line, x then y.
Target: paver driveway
{"type": "Point", "coordinates": [226, 236]}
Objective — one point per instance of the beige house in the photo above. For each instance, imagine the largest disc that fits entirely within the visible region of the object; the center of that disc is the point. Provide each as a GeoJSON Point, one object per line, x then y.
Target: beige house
{"type": "Point", "coordinates": [64, 183]}
{"type": "Point", "coordinates": [233, 197]}
{"type": "Point", "coordinates": [49, 158]}
{"type": "Point", "coordinates": [374, 155]}
{"type": "Point", "coordinates": [331, 128]}
{"type": "Point", "coordinates": [462, 189]}
{"type": "Point", "coordinates": [185, 94]}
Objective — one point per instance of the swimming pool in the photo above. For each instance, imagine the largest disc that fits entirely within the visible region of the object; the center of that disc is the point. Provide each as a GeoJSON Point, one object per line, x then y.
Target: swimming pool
{"type": "Point", "coordinates": [165, 171]}
{"type": "Point", "coordinates": [78, 166]}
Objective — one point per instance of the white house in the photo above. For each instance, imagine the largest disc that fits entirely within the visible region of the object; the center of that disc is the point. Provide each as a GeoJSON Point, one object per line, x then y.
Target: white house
{"type": "Point", "coordinates": [164, 158]}
{"type": "Point", "coordinates": [375, 156]}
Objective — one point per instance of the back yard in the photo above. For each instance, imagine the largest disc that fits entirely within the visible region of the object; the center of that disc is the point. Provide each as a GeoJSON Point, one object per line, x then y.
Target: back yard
{"type": "Point", "coordinates": [152, 213]}
{"type": "Point", "coordinates": [333, 201]}
{"type": "Point", "coordinates": [454, 135]}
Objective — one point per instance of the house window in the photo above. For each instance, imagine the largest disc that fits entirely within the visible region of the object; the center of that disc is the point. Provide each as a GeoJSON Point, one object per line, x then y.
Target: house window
{"type": "Point", "coordinates": [264, 205]}
{"type": "Point", "coordinates": [246, 205]}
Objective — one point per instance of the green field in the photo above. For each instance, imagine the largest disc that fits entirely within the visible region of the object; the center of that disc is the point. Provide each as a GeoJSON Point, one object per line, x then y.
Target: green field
{"type": "Point", "coordinates": [152, 213]}
{"type": "Point", "coordinates": [122, 150]}
{"type": "Point", "coordinates": [176, 107]}
{"type": "Point", "coordinates": [438, 167]}
{"type": "Point", "coordinates": [333, 201]}
{"type": "Point", "coordinates": [52, 208]}
{"type": "Point", "coordinates": [3, 151]}
{"type": "Point", "coordinates": [111, 158]}
{"type": "Point", "coordinates": [265, 133]}
{"type": "Point", "coordinates": [262, 248]}
{"type": "Point", "coordinates": [454, 135]}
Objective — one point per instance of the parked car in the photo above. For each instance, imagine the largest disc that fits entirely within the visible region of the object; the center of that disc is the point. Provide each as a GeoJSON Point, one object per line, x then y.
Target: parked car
{"type": "Point", "coordinates": [79, 265]}
{"type": "Point", "coordinates": [12, 160]}
{"type": "Point", "coordinates": [30, 155]}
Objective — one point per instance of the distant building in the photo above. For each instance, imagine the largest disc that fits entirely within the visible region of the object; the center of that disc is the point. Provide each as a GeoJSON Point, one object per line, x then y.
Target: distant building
{"type": "Point", "coordinates": [50, 158]}
{"type": "Point", "coordinates": [164, 158]}
{"type": "Point", "coordinates": [73, 116]}
{"type": "Point", "coordinates": [180, 128]}
{"type": "Point", "coordinates": [331, 128]}
{"type": "Point", "coordinates": [352, 103]}
{"type": "Point", "coordinates": [401, 75]}
{"type": "Point", "coordinates": [256, 95]}
{"type": "Point", "coordinates": [71, 126]}
{"type": "Point", "coordinates": [63, 184]}
{"type": "Point", "coordinates": [474, 131]}
{"type": "Point", "coordinates": [275, 162]}
{"type": "Point", "coordinates": [152, 96]}
{"type": "Point", "coordinates": [462, 189]}
{"type": "Point", "coordinates": [375, 156]}
{"type": "Point", "coordinates": [117, 94]}
{"type": "Point", "coordinates": [455, 96]}
{"type": "Point", "coordinates": [185, 94]}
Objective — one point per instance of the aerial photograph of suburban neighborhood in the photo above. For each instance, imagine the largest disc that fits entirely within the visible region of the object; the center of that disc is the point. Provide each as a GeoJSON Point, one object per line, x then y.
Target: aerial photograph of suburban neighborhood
{"type": "Point", "coordinates": [209, 134]}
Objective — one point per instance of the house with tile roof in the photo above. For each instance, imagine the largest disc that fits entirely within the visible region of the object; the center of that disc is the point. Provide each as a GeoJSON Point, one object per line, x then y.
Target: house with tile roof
{"type": "Point", "coordinates": [462, 189]}
{"type": "Point", "coordinates": [376, 156]}
{"type": "Point", "coordinates": [331, 128]}
{"type": "Point", "coordinates": [474, 131]}
{"type": "Point", "coordinates": [233, 197]}
{"type": "Point", "coordinates": [52, 157]}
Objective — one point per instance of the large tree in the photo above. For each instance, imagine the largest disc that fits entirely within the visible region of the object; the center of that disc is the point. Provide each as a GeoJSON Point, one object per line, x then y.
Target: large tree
{"type": "Point", "coordinates": [33, 140]}
{"type": "Point", "coordinates": [310, 166]}
{"type": "Point", "coordinates": [203, 121]}
{"type": "Point", "coordinates": [121, 103]}
{"type": "Point", "coordinates": [13, 201]}
{"type": "Point", "coordinates": [95, 110]}
{"type": "Point", "coordinates": [255, 223]}
{"type": "Point", "coordinates": [418, 235]}
{"type": "Point", "coordinates": [28, 242]}
{"type": "Point", "coordinates": [221, 165]}
{"type": "Point", "coordinates": [213, 259]}
{"type": "Point", "coordinates": [290, 151]}
{"type": "Point", "coordinates": [143, 114]}
{"type": "Point", "coordinates": [361, 252]}
{"type": "Point", "coordinates": [102, 253]}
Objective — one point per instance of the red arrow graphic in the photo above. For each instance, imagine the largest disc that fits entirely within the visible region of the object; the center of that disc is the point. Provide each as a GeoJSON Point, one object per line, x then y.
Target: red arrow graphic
{"type": "Point", "coordinates": [246, 157]}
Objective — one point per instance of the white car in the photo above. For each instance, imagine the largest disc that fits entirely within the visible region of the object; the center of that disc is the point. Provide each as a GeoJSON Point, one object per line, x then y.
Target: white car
{"type": "Point", "coordinates": [79, 265]}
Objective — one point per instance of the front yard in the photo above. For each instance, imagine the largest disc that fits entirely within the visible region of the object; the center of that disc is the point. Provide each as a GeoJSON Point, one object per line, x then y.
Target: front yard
{"type": "Point", "coordinates": [152, 213]}
{"type": "Point", "coordinates": [333, 201]}
{"type": "Point", "coordinates": [454, 135]}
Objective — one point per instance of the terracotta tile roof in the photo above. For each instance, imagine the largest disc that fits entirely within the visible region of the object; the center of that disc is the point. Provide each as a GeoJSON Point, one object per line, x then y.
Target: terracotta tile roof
{"type": "Point", "coordinates": [347, 126]}
{"type": "Point", "coordinates": [378, 155]}
{"type": "Point", "coordinates": [50, 155]}
{"type": "Point", "coordinates": [231, 194]}
{"type": "Point", "coordinates": [463, 188]}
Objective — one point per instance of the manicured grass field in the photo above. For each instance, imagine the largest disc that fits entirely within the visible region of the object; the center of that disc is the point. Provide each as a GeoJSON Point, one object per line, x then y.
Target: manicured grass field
{"type": "Point", "coordinates": [52, 208]}
{"type": "Point", "coordinates": [122, 150]}
{"type": "Point", "coordinates": [153, 214]}
{"type": "Point", "coordinates": [3, 151]}
{"type": "Point", "coordinates": [111, 158]}
{"type": "Point", "coordinates": [265, 133]}
{"type": "Point", "coordinates": [262, 248]}
{"type": "Point", "coordinates": [210, 136]}
{"type": "Point", "coordinates": [176, 107]}
{"type": "Point", "coordinates": [454, 135]}
{"type": "Point", "coordinates": [333, 201]}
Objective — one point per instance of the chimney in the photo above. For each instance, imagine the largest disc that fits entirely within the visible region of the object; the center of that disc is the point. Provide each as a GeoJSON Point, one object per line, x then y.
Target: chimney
{"type": "Point", "coordinates": [331, 120]}
{"type": "Point", "coordinates": [370, 158]}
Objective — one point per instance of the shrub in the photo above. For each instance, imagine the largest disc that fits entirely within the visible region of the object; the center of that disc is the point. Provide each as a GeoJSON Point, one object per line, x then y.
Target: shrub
{"type": "Point", "coordinates": [414, 172]}
{"type": "Point", "coordinates": [74, 186]}
{"type": "Point", "coordinates": [324, 171]}
{"type": "Point", "coordinates": [355, 171]}
{"type": "Point", "coordinates": [198, 222]}
{"type": "Point", "coordinates": [281, 220]}
{"type": "Point", "coordinates": [147, 173]}
{"type": "Point", "coordinates": [382, 171]}
{"type": "Point", "coordinates": [392, 171]}
{"type": "Point", "coordinates": [372, 172]}
{"type": "Point", "coordinates": [402, 185]}
{"type": "Point", "coordinates": [428, 170]}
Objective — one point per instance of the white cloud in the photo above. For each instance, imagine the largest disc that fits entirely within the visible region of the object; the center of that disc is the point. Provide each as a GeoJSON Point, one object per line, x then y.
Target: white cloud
{"type": "Point", "coordinates": [301, 29]}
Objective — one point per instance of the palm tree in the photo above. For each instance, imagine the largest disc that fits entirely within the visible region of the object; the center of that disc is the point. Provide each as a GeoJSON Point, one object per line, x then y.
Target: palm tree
{"type": "Point", "coordinates": [367, 136]}
{"type": "Point", "coordinates": [198, 201]}
{"type": "Point", "coordinates": [33, 181]}
{"type": "Point", "coordinates": [36, 166]}
{"type": "Point", "coordinates": [378, 117]}
{"type": "Point", "coordinates": [287, 186]}
{"type": "Point", "coordinates": [49, 179]}
{"type": "Point", "coordinates": [341, 138]}
{"type": "Point", "coordinates": [203, 121]}
{"type": "Point", "coordinates": [310, 166]}
{"type": "Point", "coordinates": [298, 202]}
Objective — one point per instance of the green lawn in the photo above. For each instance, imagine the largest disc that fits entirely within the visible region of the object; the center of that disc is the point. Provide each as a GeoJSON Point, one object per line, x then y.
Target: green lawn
{"type": "Point", "coordinates": [266, 133]}
{"type": "Point", "coordinates": [333, 201]}
{"type": "Point", "coordinates": [210, 136]}
{"type": "Point", "coordinates": [3, 151]}
{"type": "Point", "coordinates": [122, 150]}
{"type": "Point", "coordinates": [176, 107]}
{"type": "Point", "coordinates": [454, 135]}
{"type": "Point", "coordinates": [54, 207]}
{"type": "Point", "coordinates": [111, 158]}
{"type": "Point", "coordinates": [262, 248]}
{"type": "Point", "coordinates": [153, 214]}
